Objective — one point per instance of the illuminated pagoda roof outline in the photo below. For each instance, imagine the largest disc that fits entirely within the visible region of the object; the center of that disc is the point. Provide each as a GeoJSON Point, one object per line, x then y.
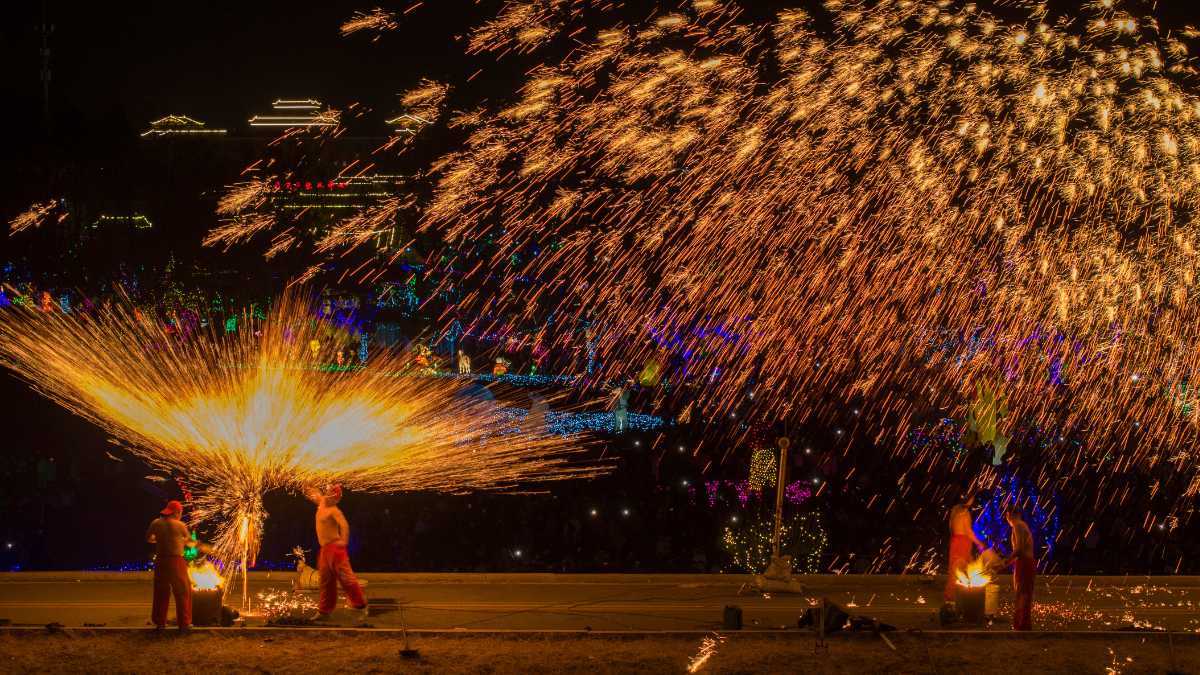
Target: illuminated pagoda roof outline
{"type": "Point", "coordinates": [136, 220]}
{"type": "Point", "coordinates": [407, 124]}
{"type": "Point", "coordinates": [181, 125]}
{"type": "Point", "coordinates": [293, 112]}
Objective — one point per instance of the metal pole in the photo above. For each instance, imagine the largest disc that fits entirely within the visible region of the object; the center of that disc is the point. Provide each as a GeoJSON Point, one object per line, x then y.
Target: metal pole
{"type": "Point", "coordinates": [783, 448]}
{"type": "Point", "coordinates": [46, 29]}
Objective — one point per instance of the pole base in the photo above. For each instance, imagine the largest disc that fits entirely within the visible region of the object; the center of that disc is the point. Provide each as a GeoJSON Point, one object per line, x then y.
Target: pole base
{"type": "Point", "coordinates": [778, 577]}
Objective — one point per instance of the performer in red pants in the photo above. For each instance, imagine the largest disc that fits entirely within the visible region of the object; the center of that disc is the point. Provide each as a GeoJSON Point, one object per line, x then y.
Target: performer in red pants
{"type": "Point", "coordinates": [169, 536]}
{"type": "Point", "coordinates": [333, 533]}
{"type": "Point", "coordinates": [962, 537]}
{"type": "Point", "coordinates": [1024, 569]}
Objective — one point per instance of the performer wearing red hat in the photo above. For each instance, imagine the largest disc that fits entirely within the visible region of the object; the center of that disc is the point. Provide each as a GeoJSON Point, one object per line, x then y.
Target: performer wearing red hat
{"type": "Point", "coordinates": [333, 533]}
{"type": "Point", "coordinates": [170, 535]}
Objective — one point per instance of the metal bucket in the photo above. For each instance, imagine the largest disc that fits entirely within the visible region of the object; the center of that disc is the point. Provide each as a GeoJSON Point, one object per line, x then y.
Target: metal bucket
{"type": "Point", "coordinates": [206, 607]}
{"type": "Point", "coordinates": [971, 603]}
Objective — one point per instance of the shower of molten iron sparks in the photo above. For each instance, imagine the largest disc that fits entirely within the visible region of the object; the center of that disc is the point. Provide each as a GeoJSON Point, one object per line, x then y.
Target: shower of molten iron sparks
{"type": "Point", "coordinates": [32, 217]}
{"type": "Point", "coordinates": [282, 604]}
{"type": "Point", "coordinates": [376, 20]}
{"type": "Point", "coordinates": [205, 577]}
{"type": "Point", "coordinates": [983, 202]}
{"type": "Point", "coordinates": [708, 648]}
{"type": "Point", "coordinates": [243, 412]}
{"type": "Point", "coordinates": [974, 576]}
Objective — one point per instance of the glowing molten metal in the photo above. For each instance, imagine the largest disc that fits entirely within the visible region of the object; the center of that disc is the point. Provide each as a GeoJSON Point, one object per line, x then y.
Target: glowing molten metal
{"type": "Point", "coordinates": [205, 577]}
{"type": "Point", "coordinates": [974, 576]}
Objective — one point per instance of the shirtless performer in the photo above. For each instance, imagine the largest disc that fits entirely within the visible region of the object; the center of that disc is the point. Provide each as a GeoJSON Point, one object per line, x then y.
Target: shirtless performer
{"type": "Point", "coordinates": [333, 533]}
{"type": "Point", "coordinates": [962, 537]}
{"type": "Point", "coordinates": [170, 536]}
{"type": "Point", "coordinates": [1024, 569]}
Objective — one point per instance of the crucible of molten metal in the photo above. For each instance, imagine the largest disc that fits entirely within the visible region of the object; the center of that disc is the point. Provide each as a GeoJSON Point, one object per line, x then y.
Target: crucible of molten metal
{"type": "Point", "coordinates": [972, 592]}
{"type": "Point", "coordinates": [208, 594]}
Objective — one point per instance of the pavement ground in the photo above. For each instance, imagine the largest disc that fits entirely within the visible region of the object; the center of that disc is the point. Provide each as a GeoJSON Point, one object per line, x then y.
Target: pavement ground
{"type": "Point", "coordinates": [619, 602]}
{"type": "Point", "coordinates": [333, 650]}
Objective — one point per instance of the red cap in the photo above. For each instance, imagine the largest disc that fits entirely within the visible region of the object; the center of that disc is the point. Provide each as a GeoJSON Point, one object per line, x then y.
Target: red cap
{"type": "Point", "coordinates": [172, 507]}
{"type": "Point", "coordinates": [335, 490]}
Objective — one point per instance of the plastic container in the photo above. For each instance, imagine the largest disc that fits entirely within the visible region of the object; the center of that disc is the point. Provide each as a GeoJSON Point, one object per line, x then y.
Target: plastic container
{"type": "Point", "coordinates": [991, 599]}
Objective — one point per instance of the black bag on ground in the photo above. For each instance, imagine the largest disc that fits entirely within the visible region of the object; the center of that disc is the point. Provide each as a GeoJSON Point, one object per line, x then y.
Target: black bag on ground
{"type": "Point", "coordinates": [835, 617]}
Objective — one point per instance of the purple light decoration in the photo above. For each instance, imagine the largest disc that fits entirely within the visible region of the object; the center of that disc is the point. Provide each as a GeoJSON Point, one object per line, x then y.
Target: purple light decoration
{"type": "Point", "coordinates": [796, 492]}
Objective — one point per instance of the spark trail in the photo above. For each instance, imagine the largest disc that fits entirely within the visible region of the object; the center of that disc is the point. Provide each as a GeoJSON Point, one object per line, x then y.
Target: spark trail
{"type": "Point", "coordinates": [881, 202]}
{"type": "Point", "coordinates": [243, 413]}
{"type": "Point", "coordinates": [916, 198]}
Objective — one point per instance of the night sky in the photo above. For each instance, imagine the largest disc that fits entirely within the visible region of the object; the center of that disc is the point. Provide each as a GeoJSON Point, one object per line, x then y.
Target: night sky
{"type": "Point", "coordinates": [221, 62]}
{"type": "Point", "coordinates": [116, 68]}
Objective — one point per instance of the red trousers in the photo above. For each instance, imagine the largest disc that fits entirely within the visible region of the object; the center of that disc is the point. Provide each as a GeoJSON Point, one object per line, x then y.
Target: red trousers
{"type": "Point", "coordinates": [334, 568]}
{"type": "Point", "coordinates": [960, 557]}
{"type": "Point", "coordinates": [1024, 574]}
{"type": "Point", "coordinates": [171, 578]}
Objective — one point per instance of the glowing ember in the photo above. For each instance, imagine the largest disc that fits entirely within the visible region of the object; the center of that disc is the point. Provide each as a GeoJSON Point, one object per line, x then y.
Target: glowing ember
{"type": "Point", "coordinates": [277, 605]}
{"type": "Point", "coordinates": [708, 648]}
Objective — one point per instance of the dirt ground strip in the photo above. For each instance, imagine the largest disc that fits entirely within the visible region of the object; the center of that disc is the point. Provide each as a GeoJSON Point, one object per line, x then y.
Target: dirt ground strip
{"type": "Point", "coordinates": [234, 651]}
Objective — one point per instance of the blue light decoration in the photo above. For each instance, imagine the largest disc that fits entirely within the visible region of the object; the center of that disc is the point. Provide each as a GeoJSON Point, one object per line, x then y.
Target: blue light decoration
{"type": "Point", "coordinates": [591, 354]}
{"type": "Point", "coordinates": [148, 565]}
{"type": "Point", "coordinates": [363, 341]}
{"type": "Point", "coordinates": [954, 349]}
{"type": "Point", "coordinates": [135, 566]}
{"type": "Point", "coordinates": [388, 296]}
{"type": "Point", "coordinates": [1040, 511]}
{"type": "Point", "coordinates": [4, 301]}
{"type": "Point", "coordinates": [64, 303]}
{"type": "Point", "coordinates": [945, 434]}
{"type": "Point", "coordinates": [683, 345]}
{"type": "Point", "coordinates": [566, 424]}
{"type": "Point", "coordinates": [450, 339]}
{"type": "Point", "coordinates": [515, 379]}
{"type": "Point", "coordinates": [411, 300]}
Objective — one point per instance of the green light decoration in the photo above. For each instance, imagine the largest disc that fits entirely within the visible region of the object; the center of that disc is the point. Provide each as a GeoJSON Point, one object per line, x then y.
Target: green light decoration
{"type": "Point", "coordinates": [1184, 398]}
{"type": "Point", "coordinates": [191, 551]}
{"type": "Point", "coordinates": [231, 324]}
{"type": "Point", "coordinates": [802, 536]}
